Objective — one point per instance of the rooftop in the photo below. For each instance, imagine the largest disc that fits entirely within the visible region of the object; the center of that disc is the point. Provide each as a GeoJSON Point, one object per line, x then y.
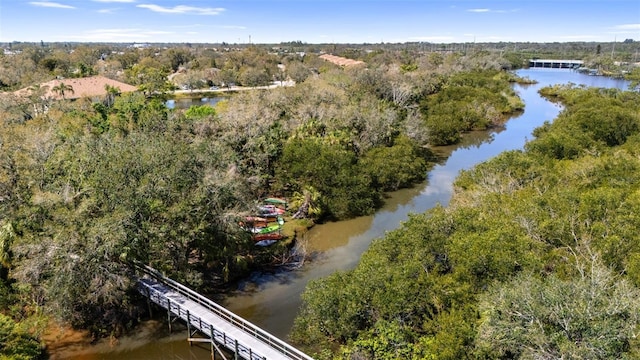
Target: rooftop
{"type": "Point", "coordinates": [340, 60]}
{"type": "Point", "coordinates": [93, 86]}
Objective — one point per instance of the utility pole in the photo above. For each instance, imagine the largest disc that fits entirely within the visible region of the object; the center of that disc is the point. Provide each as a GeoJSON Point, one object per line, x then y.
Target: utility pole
{"type": "Point", "coordinates": [613, 48]}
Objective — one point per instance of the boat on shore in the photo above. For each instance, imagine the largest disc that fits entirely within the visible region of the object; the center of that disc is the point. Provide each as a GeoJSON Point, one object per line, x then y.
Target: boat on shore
{"type": "Point", "coordinates": [276, 201]}
{"type": "Point", "coordinates": [270, 210]}
{"type": "Point", "coordinates": [266, 224]}
{"type": "Point", "coordinates": [266, 242]}
{"type": "Point", "coordinates": [269, 236]}
{"type": "Point", "coordinates": [269, 229]}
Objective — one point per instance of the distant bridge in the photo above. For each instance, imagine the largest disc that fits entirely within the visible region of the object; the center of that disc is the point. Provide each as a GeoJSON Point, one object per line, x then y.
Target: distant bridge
{"type": "Point", "coordinates": [558, 64]}
{"type": "Point", "coordinates": [219, 326]}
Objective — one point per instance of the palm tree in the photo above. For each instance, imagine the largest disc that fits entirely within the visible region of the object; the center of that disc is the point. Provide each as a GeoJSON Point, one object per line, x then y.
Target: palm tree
{"type": "Point", "coordinates": [61, 88]}
{"type": "Point", "coordinates": [112, 93]}
{"type": "Point", "coordinates": [307, 202]}
{"type": "Point", "coordinates": [38, 99]}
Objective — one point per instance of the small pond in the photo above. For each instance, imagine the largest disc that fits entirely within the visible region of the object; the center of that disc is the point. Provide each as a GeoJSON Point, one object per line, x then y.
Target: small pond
{"type": "Point", "coordinates": [185, 103]}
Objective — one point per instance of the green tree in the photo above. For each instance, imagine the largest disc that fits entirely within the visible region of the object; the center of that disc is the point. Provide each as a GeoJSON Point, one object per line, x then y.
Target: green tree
{"type": "Point", "coordinates": [254, 77]}
{"type": "Point", "coordinates": [298, 72]}
{"type": "Point", "coordinates": [134, 112]}
{"type": "Point", "coordinates": [175, 58]}
{"type": "Point", "coordinates": [149, 79]}
{"type": "Point", "coordinates": [396, 166]}
{"type": "Point", "coordinates": [594, 316]}
{"type": "Point", "coordinates": [199, 112]}
{"type": "Point", "coordinates": [84, 70]}
{"type": "Point", "coordinates": [49, 63]}
{"type": "Point", "coordinates": [386, 340]}
{"type": "Point", "coordinates": [7, 235]}
{"type": "Point", "coordinates": [17, 344]}
{"type": "Point", "coordinates": [634, 77]}
{"type": "Point", "coordinates": [228, 77]}
{"type": "Point", "coordinates": [330, 169]}
{"type": "Point", "coordinates": [112, 93]}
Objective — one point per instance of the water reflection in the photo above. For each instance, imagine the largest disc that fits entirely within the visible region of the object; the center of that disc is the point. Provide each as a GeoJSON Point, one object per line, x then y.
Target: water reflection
{"type": "Point", "coordinates": [185, 103]}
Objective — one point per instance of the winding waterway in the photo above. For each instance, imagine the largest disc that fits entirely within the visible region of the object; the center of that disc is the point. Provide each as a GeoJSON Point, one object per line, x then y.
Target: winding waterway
{"type": "Point", "coordinates": [271, 300]}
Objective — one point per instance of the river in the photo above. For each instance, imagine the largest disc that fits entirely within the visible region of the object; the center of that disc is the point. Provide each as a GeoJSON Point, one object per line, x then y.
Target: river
{"type": "Point", "coordinates": [271, 300]}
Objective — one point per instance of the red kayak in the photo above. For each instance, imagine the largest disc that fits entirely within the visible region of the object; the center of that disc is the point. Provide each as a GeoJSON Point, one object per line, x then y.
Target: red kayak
{"type": "Point", "coordinates": [269, 236]}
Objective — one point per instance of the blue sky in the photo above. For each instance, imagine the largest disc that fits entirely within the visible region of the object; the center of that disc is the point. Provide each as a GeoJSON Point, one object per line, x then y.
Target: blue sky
{"type": "Point", "coordinates": [319, 21]}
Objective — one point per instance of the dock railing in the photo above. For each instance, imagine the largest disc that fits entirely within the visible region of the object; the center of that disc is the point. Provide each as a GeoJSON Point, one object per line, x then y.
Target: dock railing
{"type": "Point", "coordinates": [209, 329]}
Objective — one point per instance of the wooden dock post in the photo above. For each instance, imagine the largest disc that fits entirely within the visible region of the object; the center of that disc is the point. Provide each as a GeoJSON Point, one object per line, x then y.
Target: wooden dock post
{"type": "Point", "coordinates": [149, 302]}
{"type": "Point", "coordinates": [169, 314]}
{"type": "Point", "coordinates": [189, 328]}
{"type": "Point", "coordinates": [213, 351]}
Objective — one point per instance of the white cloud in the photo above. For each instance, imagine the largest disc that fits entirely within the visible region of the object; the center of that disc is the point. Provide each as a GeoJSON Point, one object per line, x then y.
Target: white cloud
{"type": "Point", "coordinates": [114, 1]}
{"type": "Point", "coordinates": [232, 27]}
{"type": "Point", "coordinates": [182, 9]}
{"type": "Point", "coordinates": [631, 27]}
{"type": "Point", "coordinates": [118, 35]}
{"type": "Point", "coordinates": [158, 32]}
{"type": "Point", "coordinates": [188, 26]}
{"type": "Point", "coordinates": [624, 30]}
{"type": "Point", "coordinates": [482, 10]}
{"type": "Point", "coordinates": [51, 4]}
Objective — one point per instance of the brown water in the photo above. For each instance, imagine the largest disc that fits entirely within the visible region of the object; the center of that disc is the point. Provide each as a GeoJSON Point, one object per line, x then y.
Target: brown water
{"type": "Point", "coordinates": [271, 300]}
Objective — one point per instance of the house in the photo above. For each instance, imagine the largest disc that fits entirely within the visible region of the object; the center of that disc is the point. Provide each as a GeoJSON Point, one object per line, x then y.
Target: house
{"type": "Point", "coordinates": [341, 61]}
{"type": "Point", "coordinates": [91, 87]}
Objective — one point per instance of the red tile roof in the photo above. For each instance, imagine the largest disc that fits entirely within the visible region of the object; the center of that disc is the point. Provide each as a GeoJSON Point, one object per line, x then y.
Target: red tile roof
{"type": "Point", "coordinates": [82, 87]}
{"type": "Point", "coordinates": [340, 60]}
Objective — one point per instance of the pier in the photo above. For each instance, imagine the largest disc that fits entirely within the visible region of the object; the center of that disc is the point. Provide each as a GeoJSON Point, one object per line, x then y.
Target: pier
{"type": "Point", "coordinates": [557, 64]}
{"type": "Point", "coordinates": [216, 325]}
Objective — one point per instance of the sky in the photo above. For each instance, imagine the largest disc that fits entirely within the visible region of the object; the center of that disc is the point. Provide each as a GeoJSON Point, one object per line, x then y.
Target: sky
{"type": "Point", "coordinates": [319, 21]}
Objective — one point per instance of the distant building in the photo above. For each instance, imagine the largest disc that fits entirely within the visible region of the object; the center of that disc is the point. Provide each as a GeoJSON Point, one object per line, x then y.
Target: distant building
{"type": "Point", "coordinates": [139, 46]}
{"type": "Point", "coordinates": [11, 52]}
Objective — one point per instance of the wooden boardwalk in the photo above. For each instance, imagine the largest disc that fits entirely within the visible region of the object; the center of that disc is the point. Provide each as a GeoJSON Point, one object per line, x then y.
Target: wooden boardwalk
{"type": "Point", "coordinates": [217, 324]}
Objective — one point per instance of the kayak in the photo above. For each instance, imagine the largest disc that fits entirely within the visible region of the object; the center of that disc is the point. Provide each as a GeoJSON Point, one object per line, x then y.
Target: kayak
{"type": "Point", "coordinates": [270, 236]}
{"type": "Point", "coordinates": [265, 242]}
{"type": "Point", "coordinates": [277, 201]}
{"type": "Point", "coordinates": [266, 210]}
{"type": "Point", "coordinates": [269, 229]}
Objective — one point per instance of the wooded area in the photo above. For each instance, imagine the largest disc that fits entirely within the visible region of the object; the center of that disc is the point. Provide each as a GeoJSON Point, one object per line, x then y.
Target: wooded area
{"type": "Point", "coordinates": [537, 255]}
{"type": "Point", "coordinates": [88, 186]}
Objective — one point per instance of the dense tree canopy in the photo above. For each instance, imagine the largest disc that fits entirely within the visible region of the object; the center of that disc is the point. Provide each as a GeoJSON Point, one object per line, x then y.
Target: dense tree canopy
{"type": "Point", "coordinates": [536, 256]}
{"type": "Point", "coordinates": [17, 343]}
{"type": "Point", "coordinates": [91, 185]}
